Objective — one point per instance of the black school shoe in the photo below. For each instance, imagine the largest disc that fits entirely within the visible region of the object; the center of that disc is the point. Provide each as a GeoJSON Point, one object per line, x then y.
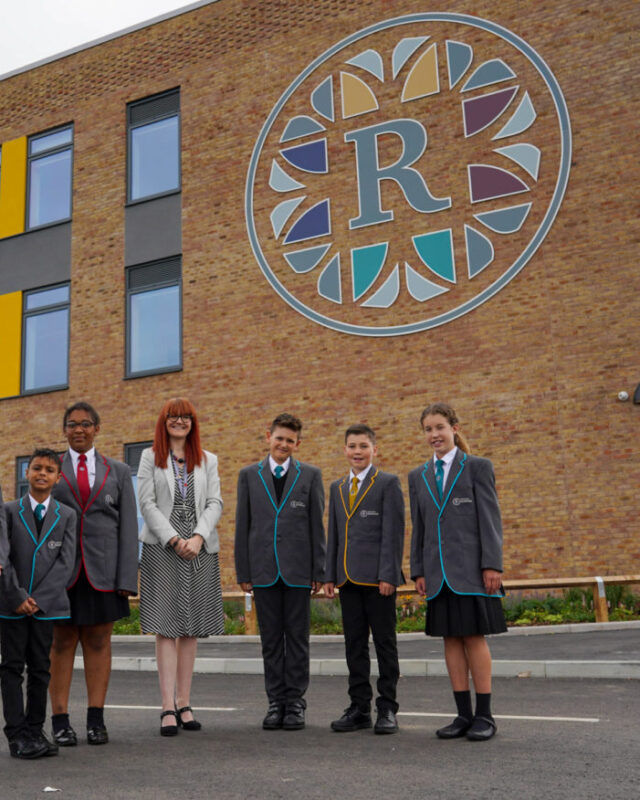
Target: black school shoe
{"type": "Point", "coordinates": [455, 730]}
{"type": "Point", "coordinates": [97, 735]}
{"type": "Point", "coordinates": [293, 719]}
{"type": "Point", "coordinates": [25, 746]}
{"type": "Point", "coordinates": [386, 721]}
{"type": "Point", "coordinates": [65, 737]}
{"type": "Point", "coordinates": [353, 719]}
{"type": "Point", "coordinates": [482, 728]}
{"type": "Point", "coordinates": [274, 717]}
{"type": "Point", "coordinates": [52, 747]}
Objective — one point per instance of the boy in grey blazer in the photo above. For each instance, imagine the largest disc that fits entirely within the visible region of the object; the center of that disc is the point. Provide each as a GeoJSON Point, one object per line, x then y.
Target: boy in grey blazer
{"type": "Point", "coordinates": [280, 554]}
{"type": "Point", "coordinates": [41, 535]}
{"type": "Point", "coordinates": [364, 559]}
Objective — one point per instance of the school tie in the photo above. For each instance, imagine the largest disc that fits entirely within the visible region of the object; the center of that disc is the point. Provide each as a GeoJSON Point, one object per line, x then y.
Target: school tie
{"type": "Point", "coordinates": [83, 479]}
{"type": "Point", "coordinates": [39, 512]}
{"type": "Point", "coordinates": [353, 491]}
{"type": "Point", "coordinates": [278, 471]}
{"type": "Point", "coordinates": [439, 476]}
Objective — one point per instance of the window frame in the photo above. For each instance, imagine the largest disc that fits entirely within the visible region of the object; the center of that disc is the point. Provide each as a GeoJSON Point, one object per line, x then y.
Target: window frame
{"type": "Point", "coordinates": [131, 126]}
{"type": "Point", "coordinates": [129, 374]}
{"type": "Point", "coordinates": [39, 156]}
{"type": "Point", "coordinates": [131, 449]}
{"type": "Point", "coordinates": [21, 461]}
{"type": "Point", "coordinates": [27, 314]}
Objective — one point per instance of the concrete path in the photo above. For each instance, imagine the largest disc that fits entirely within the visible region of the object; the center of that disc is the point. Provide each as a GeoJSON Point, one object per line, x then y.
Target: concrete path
{"type": "Point", "coordinates": [591, 650]}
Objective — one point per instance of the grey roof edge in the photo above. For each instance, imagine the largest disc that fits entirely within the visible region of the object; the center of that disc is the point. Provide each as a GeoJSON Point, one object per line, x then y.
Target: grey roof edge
{"type": "Point", "coordinates": [108, 37]}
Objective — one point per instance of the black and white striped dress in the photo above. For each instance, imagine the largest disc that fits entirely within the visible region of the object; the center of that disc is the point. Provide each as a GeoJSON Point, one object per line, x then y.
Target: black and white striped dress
{"type": "Point", "coordinates": [178, 597]}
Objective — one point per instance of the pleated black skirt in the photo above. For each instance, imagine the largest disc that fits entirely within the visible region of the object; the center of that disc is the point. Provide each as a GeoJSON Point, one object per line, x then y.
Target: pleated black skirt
{"type": "Point", "coordinates": [451, 614]}
{"type": "Point", "coordinates": [91, 607]}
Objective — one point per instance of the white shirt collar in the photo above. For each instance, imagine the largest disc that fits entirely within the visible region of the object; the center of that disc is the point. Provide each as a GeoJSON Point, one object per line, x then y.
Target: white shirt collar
{"type": "Point", "coordinates": [360, 476]}
{"type": "Point", "coordinates": [447, 457]}
{"type": "Point", "coordinates": [91, 458]}
{"type": "Point", "coordinates": [34, 503]}
{"type": "Point", "coordinates": [273, 464]}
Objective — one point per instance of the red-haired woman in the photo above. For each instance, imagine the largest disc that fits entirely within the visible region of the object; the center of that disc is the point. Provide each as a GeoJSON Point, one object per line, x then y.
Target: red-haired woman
{"type": "Point", "coordinates": [180, 594]}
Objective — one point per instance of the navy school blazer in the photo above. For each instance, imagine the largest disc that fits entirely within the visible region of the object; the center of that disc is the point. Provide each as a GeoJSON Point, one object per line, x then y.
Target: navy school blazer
{"type": "Point", "coordinates": [284, 540]}
{"type": "Point", "coordinates": [453, 540]}
{"type": "Point", "coordinates": [39, 566]}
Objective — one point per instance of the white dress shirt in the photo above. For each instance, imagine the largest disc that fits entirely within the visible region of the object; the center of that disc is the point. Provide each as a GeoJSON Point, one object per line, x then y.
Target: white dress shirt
{"type": "Point", "coordinates": [273, 464]}
{"type": "Point", "coordinates": [91, 464]}
{"type": "Point", "coordinates": [35, 503]}
{"type": "Point", "coordinates": [448, 461]}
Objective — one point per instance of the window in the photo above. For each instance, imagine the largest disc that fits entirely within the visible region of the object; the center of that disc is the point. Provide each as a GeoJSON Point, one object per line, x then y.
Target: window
{"type": "Point", "coordinates": [22, 485]}
{"type": "Point", "coordinates": [154, 317]}
{"type": "Point", "coordinates": [154, 146]}
{"type": "Point", "coordinates": [49, 177]}
{"type": "Point", "coordinates": [45, 338]}
{"type": "Point", "coordinates": [132, 453]}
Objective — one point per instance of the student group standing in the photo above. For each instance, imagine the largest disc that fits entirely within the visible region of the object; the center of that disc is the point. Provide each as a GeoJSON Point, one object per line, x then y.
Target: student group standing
{"type": "Point", "coordinates": [68, 562]}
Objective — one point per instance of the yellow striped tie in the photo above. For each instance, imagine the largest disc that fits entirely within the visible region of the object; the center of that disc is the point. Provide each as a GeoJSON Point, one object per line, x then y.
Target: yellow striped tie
{"type": "Point", "coordinates": [353, 492]}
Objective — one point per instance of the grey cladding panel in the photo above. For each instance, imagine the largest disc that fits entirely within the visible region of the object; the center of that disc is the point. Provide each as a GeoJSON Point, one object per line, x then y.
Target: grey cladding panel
{"type": "Point", "coordinates": [153, 230]}
{"type": "Point", "coordinates": [36, 258]}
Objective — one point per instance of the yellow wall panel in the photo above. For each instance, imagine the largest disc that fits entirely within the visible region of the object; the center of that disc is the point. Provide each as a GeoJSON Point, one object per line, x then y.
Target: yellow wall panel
{"type": "Point", "coordinates": [10, 339]}
{"type": "Point", "coordinates": [13, 185]}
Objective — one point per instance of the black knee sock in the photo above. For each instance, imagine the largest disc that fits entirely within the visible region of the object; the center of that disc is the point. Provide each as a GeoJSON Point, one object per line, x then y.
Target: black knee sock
{"type": "Point", "coordinates": [95, 717]}
{"type": "Point", "coordinates": [463, 704]}
{"type": "Point", "coordinates": [483, 705]}
{"type": "Point", "coordinates": [59, 722]}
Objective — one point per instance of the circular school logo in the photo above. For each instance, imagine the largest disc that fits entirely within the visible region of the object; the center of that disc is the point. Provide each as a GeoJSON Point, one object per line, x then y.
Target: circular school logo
{"type": "Point", "coordinates": [408, 174]}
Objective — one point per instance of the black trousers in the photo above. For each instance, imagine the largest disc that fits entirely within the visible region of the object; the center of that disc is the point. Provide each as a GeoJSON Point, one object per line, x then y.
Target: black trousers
{"type": "Point", "coordinates": [284, 618]}
{"type": "Point", "coordinates": [23, 642]}
{"type": "Point", "coordinates": [364, 608]}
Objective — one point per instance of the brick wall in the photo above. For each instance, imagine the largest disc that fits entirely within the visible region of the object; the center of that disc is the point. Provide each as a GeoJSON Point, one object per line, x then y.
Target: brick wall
{"type": "Point", "coordinates": [533, 373]}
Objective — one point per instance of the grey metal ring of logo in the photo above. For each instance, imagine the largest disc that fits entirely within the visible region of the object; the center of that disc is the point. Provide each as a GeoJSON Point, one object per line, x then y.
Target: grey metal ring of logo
{"type": "Point", "coordinates": [525, 255]}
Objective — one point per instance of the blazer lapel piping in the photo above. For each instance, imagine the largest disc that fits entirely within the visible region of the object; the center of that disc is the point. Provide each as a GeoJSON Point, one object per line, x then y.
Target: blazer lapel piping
{"type": "Point", "coordinates": [427, 483]}
{"type": "Point", "coordinates": [71, 478]}
{"type": "Point", "coordinates": [43, 540]}
{"type": "Point", "coordinates": [101, 462]}
{"type": "Point", "coordinates": [344, 504]}
{"type": "Point", "coordinates": [295, 480]}
{"type": "Point", "coordinates": [360, 495]}
{"type": "Point", "coordinates": [261, 466]}
{"type": "Point", "coordinates": [24, 521]}
{"type": "Point", "coordinates": [462, 463]}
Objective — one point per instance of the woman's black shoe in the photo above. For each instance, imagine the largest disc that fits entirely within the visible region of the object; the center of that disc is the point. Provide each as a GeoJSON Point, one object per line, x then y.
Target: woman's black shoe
{"type": "Point", "coordinates": [169, 730]}
{"type": "Point", "coordinates": [192, 724]}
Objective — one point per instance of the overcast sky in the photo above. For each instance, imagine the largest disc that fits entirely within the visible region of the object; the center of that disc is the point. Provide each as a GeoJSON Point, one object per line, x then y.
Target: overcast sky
{"type": "Point", "coordinates": [31, 30]}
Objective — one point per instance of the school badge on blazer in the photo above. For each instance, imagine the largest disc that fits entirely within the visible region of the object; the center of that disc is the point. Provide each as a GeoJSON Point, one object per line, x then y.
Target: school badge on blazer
{"type": "Point", "coordinates": [474, 168]}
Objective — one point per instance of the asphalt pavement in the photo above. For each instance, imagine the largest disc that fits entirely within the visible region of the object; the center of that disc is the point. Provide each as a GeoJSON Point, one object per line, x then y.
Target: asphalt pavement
{"type": "Point", "coordinates": [559, 738]}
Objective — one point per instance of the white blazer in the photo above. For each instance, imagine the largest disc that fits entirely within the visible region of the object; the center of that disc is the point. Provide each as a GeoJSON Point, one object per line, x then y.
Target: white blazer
{"type": "Point", "coordinates": [156, 487]}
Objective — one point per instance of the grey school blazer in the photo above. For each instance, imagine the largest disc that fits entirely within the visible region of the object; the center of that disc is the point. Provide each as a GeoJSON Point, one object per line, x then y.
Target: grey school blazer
{"type": "Point", "coordinates": [38, 566]}
{"type": "Point", "coordinates": [454, 540]}
{"type": "Point", "coordinates": [156, 487]}
{"type": "Point", "coordinates": [365, 543]}
{"type": "Point", "coordinates": [280, 541]}
{"type": "Point", "coordinates": [107, 540]}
